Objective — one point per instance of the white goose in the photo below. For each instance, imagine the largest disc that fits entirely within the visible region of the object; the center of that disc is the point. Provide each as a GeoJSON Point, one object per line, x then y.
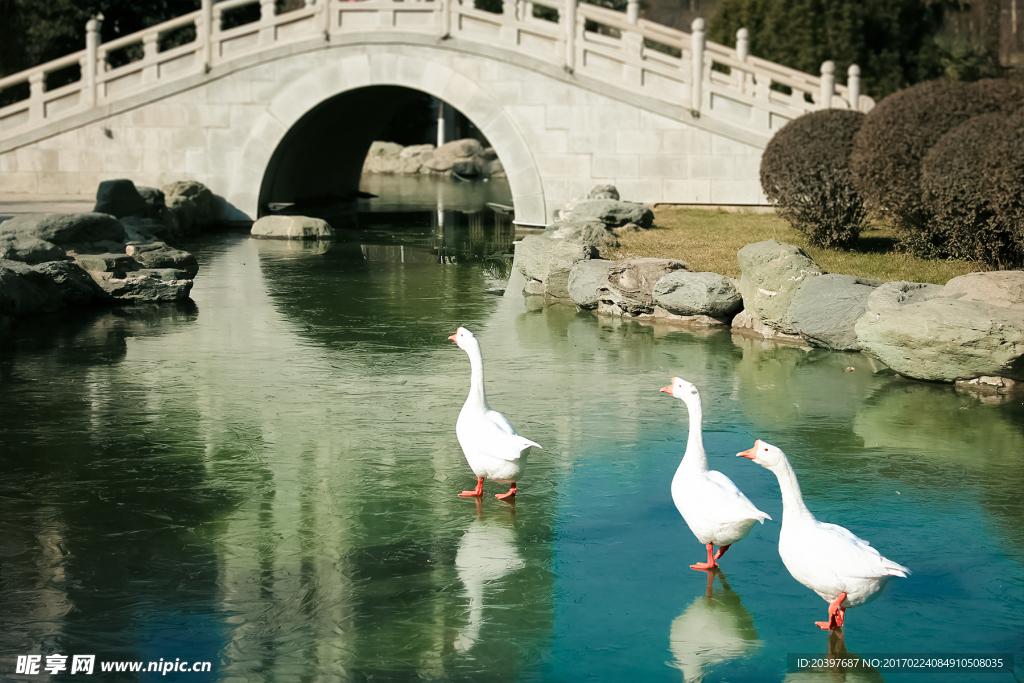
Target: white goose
{"type": "Point", "coordinates": [493, 449]}
{"type": "Point", "coordinates": [827, 558]}
{"type": "Point", "coordinates": [713, 507]}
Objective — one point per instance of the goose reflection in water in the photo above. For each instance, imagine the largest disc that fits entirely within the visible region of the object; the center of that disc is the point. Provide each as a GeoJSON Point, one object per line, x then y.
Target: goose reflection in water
{"type": "Point", "coordinates": [838, 674]}
{"type": "Point", "coordinates": [714, 629]}
{"type": "Point", "coordinates": [487, 553]}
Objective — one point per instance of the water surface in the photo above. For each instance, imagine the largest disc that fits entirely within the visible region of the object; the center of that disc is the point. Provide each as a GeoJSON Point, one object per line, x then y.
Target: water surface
{"type": "Point", "coordinates": [266, 478]}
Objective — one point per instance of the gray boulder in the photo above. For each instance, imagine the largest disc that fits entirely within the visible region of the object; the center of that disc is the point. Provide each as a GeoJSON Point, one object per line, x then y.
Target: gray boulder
{"type": "Point", "coordinates": [943, 339]}
{"type": "Point", "coordinates": [66, 228]}
{"type": "Point", "coordinates": [157, 284]}
{"type": "Point", "coordinates": [28, 249]}
{"type": "Point", "coordinates": [825, 310]}
{"type": "Point", "coordinates": [119, 198]}
{"type": "Point", "coordinates": [292, 228]}
{"type": "Point", "coordinates": [608, 211]}
{"type": "Point", "coordinates": [594, 233]}
{"type": "Point", "coordinates": [118, 264]}
{"type": "Point", "coordinates": [999, 288]}
{"type": "Point", "coordinates": [893, 295]}
{"type": "Point", "coordinates": [603, 192]}
{"type": "Point", "coordinates": [160, 255]}
{"type": "Point", "coordinates": [153, 197]}
{"type": "Point", "coordinates": [587, 279]}
{"type": "Point", "coordinates": [43, 288]}
{"type": "Point", "coordinates": [163, 225]}
{"type": "Point", "coordinates": [687, 294]}
{"type": "Point", "coordinates": [620, 287]}
{"type": "Point", "coordinates": [771, 274]}
{"type": "Point", "coordinates": [546, 263]}
{"type": "Point", "coordinates": [192, 204]}
{"type": "Point", "coordinates": [383, 157]}
{"type": "Point", "coordinates": [447, 155]}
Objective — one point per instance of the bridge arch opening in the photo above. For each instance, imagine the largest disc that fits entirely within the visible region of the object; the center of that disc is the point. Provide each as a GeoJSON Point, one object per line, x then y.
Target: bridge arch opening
{"type": "Point", "coordinates": [319, 161]}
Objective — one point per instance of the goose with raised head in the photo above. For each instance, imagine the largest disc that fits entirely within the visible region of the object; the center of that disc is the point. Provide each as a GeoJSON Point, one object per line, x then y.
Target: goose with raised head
{"type": "Point", "coordinates": [493, 449]}
{"type": "Point", "coordinates": [827, 558]}
{"type": "Point", "coordinates": [713, 507]}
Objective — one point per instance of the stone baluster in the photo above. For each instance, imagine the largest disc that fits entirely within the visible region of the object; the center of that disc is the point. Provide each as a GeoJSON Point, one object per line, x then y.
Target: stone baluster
{"type": "Point", "coordinates": [150, 51]}
{"type": "Point", "coordinates": [509, 20]}
{"type": "Point", "coordinates": [696, 67]}
{"type": "Point", "coordinates": [268, 12]}
{"type": "Point", "coordinates": [853, 83]}
{"type": "Point", "coordinates": [568, 20]}
{"type": "Point", "coordinates": [204, 33]}
{"type": "Point", "coordinates": [36, 97]}
{"type": "Point", "coordinates": [633, 11]}
{"type": "Point", "coordinates": [828, 83]}
{"type": "Point", "coordinates": [742, 52]}
{"type": "Point", "coordinates": [92, 48]}
{"type": "Point", "coordinates": [742, 44]}
{"type": "Point", "coordinates": [446, 18]}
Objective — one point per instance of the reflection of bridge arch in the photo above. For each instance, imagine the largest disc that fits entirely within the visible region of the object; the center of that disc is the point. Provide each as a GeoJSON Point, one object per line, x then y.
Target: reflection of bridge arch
{"type": "Point", "coordinates": [592, 96]}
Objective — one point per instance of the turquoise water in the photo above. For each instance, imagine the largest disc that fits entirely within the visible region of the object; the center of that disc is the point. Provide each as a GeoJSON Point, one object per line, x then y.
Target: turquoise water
{"type": "Point", "coordinates": [265, 478]}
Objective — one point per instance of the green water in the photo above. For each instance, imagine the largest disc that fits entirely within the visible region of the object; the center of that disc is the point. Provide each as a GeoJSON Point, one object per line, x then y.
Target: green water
{"type": "Point", "coordinates": [265, 478]}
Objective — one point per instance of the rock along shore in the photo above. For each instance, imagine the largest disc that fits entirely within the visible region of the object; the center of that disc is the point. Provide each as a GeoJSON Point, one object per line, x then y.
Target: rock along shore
{"type": "Point", "coordinates": [970, 331]}
{"type": "Point", "coordinates": [118, 252]}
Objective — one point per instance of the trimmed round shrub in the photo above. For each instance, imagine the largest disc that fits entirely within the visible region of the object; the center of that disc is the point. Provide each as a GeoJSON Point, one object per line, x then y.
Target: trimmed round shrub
{"type": "Point", "coordinates": [899, 132]}
{"type": "Point", "coordinates": [973, 183]}
{"type": "Point", "coordinates": [805, 173]}
{"type": "Point", "coordinates": [1004, 178]}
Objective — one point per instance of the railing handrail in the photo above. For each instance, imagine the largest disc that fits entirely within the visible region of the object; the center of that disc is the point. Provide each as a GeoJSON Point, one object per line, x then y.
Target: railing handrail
{"type": "Point", "coordinates": [574, 38]}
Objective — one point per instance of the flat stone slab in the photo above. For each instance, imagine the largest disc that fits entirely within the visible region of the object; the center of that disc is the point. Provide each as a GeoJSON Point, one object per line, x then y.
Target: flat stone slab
{"type": "Point", "coordinates": [292, 228]}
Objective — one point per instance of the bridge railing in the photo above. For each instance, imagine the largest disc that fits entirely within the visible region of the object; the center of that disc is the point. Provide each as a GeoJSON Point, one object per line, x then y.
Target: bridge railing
{"type": "Point", "coordinates": [619, 48]}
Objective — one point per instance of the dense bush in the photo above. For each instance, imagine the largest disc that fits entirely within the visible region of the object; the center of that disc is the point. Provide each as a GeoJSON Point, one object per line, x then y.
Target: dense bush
{"type": "Point", "coordinates": [973, 183]}
{"type": "Point", "coordinates": [805, 173]}
{"type": "Point", "coordinates": [899, 132]}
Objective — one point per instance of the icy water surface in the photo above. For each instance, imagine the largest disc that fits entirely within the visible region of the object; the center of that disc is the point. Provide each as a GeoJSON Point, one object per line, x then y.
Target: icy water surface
{"type": "Point", "coordinates": [265, 479]}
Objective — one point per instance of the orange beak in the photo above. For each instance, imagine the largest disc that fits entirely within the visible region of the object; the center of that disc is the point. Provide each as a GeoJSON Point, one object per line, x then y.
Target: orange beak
{"type": "Point", "coordinates": [452, 338]}
{"type": "Point", "coordinates": [667, 390]}
{"type": "Point", "coordinates": [750, 453]}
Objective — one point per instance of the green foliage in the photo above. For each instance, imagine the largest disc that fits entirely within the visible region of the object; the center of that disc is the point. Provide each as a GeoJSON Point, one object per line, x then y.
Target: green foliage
{"type": "Point", "coordinates": [891, 40]}
{"type": "Point", "coordinates": [973, 183]}
{"type": "Point", "coordinates": [805, 173]}
{"type": "Point", "coordinates": [899, 132]}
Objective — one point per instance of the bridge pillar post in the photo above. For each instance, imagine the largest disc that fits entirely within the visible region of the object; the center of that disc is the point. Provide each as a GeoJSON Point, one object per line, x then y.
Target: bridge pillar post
{"type": "Point", "coordinates": [568, 21]}
{"type": "Point", "coordinates": [92, 46]}
{"type": "Point", "coordinates": [742, 44]}
{"type": "Point", "coordinates": [633, 11]}
{"type": "Point", "coordinates": [36, 93]}
{"type": "Point", "coordinates": [509, 28]}
{"type": "Point", "coordinates": [828, 83]}
{"type": "Point", "coordinates": [697, 67]}
{"type": "Point", "coordinates": [150, 48]}
{"type": "Point", "coordinates": [853, 83]}
{"type": "Point", "coordinates": [268, 11]}
{"type": "Point", "coordinates": [204, 33]}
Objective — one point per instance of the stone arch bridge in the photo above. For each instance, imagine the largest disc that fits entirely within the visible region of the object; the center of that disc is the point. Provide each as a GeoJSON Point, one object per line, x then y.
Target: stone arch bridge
{"type": "Point", "coordinates": [285, 107]}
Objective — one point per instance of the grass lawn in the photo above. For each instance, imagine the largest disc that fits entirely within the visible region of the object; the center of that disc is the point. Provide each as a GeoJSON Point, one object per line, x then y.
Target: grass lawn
{"type": "Point", "coordinates": [709, 239]}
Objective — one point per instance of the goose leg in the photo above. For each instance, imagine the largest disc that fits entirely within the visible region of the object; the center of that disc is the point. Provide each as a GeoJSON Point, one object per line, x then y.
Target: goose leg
{"type": "Point", "coordinates": [721, 551]}
{"type": "Point", "coordinates": [511, 493]}
{"type": "Point", "coordinates": [836, 614]}
{"type": "Point", "coordinates": [710, 564]}
{"type": "Point", "coordinates": [478, 491]}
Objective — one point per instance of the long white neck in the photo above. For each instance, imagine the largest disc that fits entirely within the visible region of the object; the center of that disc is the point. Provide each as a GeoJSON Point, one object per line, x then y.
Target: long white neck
{"type": "Point", "coordinates": [477, 398]}
{"type": "Point", "coordinates": [792, 500]}
{"type": "Point", "coordinates": [695, 458]}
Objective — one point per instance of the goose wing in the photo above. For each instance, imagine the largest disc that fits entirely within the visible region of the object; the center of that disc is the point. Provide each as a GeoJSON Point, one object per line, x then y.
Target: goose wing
{"type": "Point", "coordinates": [851, 556]}
{"type": "Point", "coordinates": [731, 500]}
{"type": "Point", "coordinates": [492, 435]}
